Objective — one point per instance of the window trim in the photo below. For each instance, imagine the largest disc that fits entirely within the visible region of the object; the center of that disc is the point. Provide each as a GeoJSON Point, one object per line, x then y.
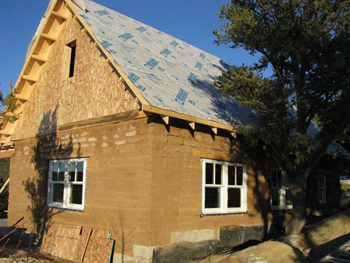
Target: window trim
{"type": "Point", "coordinates": [67, 186]}
{"type": "Point", "coordinates": [282, 193]}
{"type": "Point", "coordinates": [223, 209]}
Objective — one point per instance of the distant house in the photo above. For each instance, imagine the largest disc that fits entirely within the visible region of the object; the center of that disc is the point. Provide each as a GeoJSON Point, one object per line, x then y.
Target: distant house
{"type": "Point", "coordinates": [121, 128]}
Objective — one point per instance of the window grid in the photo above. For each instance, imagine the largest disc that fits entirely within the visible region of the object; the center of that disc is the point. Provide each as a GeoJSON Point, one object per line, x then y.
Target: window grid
{"type": "Point", "coordinates": [280, 194]}
{"type": "Point", "coordinates": [66, 184]}
{"type": "Point", "coordinates": [219, 196]}
{"type": "Point", "coordinates": [322, 194]}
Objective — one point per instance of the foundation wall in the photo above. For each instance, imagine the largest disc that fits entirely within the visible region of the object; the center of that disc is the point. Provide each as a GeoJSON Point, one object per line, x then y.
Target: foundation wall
{"type": "Point", "coordinates": [143, 182]}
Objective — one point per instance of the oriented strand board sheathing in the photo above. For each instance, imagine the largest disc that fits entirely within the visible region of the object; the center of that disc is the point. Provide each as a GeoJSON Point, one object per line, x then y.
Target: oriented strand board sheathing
{"type": "Point", "coordinates": [66, 242]}
{"type": "Point", "coordinates": [99, 247]}
{"type": "Point", "coordinates": [77, 243]}
{"type": "Point", "coordinates": [103, 250]}
{"type": "Point", "coordinates": [94, 90]}
{"type": "Point", "coordinates": [49, 238]}
{"type": "Point", "coordinates": [82, 244]}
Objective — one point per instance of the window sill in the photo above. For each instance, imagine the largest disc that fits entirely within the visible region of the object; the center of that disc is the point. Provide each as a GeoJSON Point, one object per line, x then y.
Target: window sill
{"type": "Point", "coordinates": [223, 214]}
{"type": "Point", "coordinates": [66, 208]}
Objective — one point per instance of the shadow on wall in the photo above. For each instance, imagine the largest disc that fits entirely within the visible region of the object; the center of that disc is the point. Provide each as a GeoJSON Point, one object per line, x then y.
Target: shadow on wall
{"type": "Point", "coordinates": [47, 147]}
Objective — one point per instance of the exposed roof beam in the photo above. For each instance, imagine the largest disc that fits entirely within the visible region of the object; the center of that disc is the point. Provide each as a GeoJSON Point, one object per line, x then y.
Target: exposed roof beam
{"type": "Point", "coordinates": [192, 125]}
{"type": "Point", "coordinates": [190, 119]}
{"type": "Point", "coordinates": [30, 78]}
{"type": "Point", "coordinates": [40, 58]}
{"type": "Point", "coordinates": [21, 97]}
{"type": "Point", "coordinates": [166, 119]}
{"type": "Point", "coordinates": [60, 15]}
{"type": "Point", "coordinates": [47, 36]}
{"type": "Point", "coordinates": [6, 133]}
{"type": "Point", "coordinates": [215, 130]}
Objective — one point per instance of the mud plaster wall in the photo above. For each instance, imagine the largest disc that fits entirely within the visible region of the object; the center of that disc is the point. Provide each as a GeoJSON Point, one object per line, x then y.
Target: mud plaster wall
{"type": "Point", "coordinates": [93, 91]}
{"type": "Point", "coordinates": [143, 179]}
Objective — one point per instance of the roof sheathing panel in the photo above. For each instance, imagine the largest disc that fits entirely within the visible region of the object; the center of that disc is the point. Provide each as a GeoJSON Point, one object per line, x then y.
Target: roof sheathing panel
{"type": "Point", "coordinates": [169, 73]}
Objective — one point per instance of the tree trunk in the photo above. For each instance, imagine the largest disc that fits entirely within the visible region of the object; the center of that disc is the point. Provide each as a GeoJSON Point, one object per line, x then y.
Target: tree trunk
{"type": "Point", "coordinates": [298, 220]}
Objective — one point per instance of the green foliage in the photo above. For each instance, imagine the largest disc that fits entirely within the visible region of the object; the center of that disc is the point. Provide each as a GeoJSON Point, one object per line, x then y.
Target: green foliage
{"type": "Point", "coordinates": [306, 43]}
{"type": "Point", "coordinates": [10, 106]}
{"type": "Point", "coordinates": [4, 174]}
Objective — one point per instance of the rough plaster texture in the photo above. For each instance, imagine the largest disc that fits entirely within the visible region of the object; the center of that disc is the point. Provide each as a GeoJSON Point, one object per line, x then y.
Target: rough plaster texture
{"type": "Point", "coordinates": [194, 235]}
{"type": "Point", "coordinates": [143, 180]}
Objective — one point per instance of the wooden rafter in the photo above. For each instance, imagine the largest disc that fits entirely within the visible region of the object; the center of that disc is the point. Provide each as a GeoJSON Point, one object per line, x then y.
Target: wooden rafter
{"type": "Point", "coordinates": [215, 130]}
{"type": "Point", "coordinates": [192, 125]}
{"type": "Point", "coordinates": [6, 132]}
{"type": "Point", "coordinates": [29, 75]}
{"type": "Point", "coordinates": [190, 119]}
{"type": "Point", "coordinates": [30, 78]}
{"type": "Point", "coordinates": [50, 37]}
{"type": "Point", "coordinates": [39, 58]}
{"type": "Point", "coordinates": [166, 119]}
{"type": "Point", "coordinates": [22, 97]}
{"type": "Point", "coordinates": [58, 14]}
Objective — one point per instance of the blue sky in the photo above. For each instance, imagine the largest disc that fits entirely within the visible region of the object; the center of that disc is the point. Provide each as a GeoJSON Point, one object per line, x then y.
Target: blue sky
{"type": "Point", "coordinates": [191, 21]}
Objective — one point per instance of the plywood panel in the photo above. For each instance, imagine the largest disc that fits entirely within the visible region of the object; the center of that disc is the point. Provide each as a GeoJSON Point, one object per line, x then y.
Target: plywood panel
{"type": "Point", "coordinates": [94, 91]}
{"type": "Point", "coordinates": [82, 244]}
{"type": "Point", "coordinates": [77, 243]}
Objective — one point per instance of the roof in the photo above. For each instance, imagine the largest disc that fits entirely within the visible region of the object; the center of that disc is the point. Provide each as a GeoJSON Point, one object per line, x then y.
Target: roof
{"type": "Point", "coordinates": [169, 73]}
{"type": "Point", "coordinates": [168, 76]}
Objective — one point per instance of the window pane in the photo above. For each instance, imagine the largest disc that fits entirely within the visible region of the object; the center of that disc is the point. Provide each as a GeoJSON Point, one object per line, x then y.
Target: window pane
{"type": "Point", "coordinates": [57, 195]}
{"type": "Point", "coordinates": [239, 175]}
{"type": "Point", "coordinates": [209, 173]}
{"type": "Point", "coordinates": [212, 197]}
{"type": "Point", "coordinates": [80, 171]}
{"type": "Point", "coordinates": [321, 195]}
{"type": "Point", "coordinates": [275, 197]}
{"type": "Point", "coordinates": [76, 194]}
{"type": "Point", "coordinates": [320, 181]}
{"type": "Point", "coordinates": [61, 172]}
{"type": "Point", "coordinates": [72, 171]}
{"type": "Point", "coordinates": [273, 178]}
{"type": "Point", "coordinates": [234, 198]}
{"type": "Point", "coordinates": [288, 197]}
{"type": "Point", "coordinates": [218, 173]}
{"type": "Point", "coordinates": [279, 180]}
{"type": "Point", "coordinates": [54, 171]}
{"type": "Point", "coordinates": [231, 175]}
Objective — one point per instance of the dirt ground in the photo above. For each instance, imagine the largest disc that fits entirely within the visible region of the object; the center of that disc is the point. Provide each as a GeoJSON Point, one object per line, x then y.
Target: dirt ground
{"type": "Point", "coordinates": [14, 255]}
{"type": "Point", "coordinates": [315, 242]}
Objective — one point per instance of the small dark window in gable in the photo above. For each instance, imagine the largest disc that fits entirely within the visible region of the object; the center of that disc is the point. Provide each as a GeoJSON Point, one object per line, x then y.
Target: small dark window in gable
{"type": "Point", "coordinates": [73, 48]}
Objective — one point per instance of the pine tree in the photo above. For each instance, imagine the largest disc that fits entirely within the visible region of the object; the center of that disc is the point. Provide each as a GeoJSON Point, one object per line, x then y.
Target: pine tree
{"type": "Point", "coordinates": [307, 45]}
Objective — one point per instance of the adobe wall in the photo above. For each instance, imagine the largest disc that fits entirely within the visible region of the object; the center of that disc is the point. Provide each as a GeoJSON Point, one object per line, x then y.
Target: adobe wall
{"type": "Point", "coordinates": [144, 179]}
{"type": "Point", "coordinates": [93, 91]}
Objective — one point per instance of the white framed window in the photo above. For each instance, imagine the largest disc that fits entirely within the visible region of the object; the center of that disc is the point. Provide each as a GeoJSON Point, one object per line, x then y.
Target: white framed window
{"type": "Point", "coordinates": [224, 187]}
{"type": "Point", "coordinates": [66, 184]}
{"type": "Point", "coordinates": [280, 194]}
{"type": "Point", "coordinates": [322, 193]}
